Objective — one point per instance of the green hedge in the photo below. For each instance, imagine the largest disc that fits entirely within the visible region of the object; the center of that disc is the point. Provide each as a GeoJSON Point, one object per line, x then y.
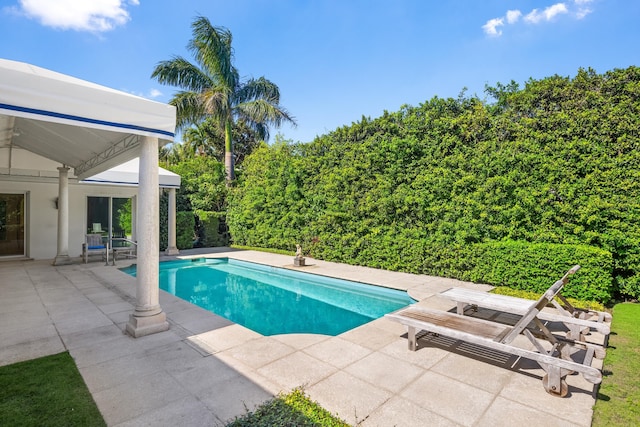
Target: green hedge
{"type": "Point", "coordinates": [185, 226]}
{"type": "Point", "coordinates": [185, 230]}
{"type": "Point", "coordinates": [164, 225]}
{"type": "Point", "coordinates": [535, 266]}
{"type": "Point", "coordinates": [212, 229]}
{"type": "Point", "coordinates": [422, 189]}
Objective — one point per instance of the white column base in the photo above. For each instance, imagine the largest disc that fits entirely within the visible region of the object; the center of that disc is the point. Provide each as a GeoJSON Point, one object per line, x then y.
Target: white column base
{"type": "Point", "coordinates": [62, 260]}
{"type": "Point", "coordinates": [139, 326]}
{"type": "Point", "coordinates": [171, 251]}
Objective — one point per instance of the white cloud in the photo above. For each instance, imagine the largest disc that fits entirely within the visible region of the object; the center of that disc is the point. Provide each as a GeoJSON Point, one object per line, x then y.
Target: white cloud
{"type": "Point", "coordinates": [154, 93]}
{"type": "Point", "coordinates": [583, 9]}
{"type": "Point", "coordinates": [581, 13]}
{"type": "Point", "coordinates": [577, 9]}
{"type": "Point", "coordinates": [533, 17]}
{"type": "Point", "coordinates": [513, 16]}
{"type": "Point", "coordinates": [548, 14]}
{"type": "Point", "coordinates": [491, 27]}
{"type": "Point", "coordinates": [80, 15]}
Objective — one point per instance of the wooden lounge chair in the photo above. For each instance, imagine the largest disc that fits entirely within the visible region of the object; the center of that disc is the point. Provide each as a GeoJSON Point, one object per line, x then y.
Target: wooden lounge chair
{"type": "Point", "coordinates": [578, 322]}
{"type": "Point", "coordinates": [556, 362]}
{"type": "Point", "coordinates": [93, 244]}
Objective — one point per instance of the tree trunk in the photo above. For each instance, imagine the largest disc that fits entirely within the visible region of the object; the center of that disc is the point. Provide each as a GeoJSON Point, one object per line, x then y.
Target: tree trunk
{"type": "Point", "coordinates": [228, 153]}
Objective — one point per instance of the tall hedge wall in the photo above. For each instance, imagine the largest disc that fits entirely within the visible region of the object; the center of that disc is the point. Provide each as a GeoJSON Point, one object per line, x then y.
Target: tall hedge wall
{"type": "Point", "coordinates": [556, 162]}
{"type": "Point", "coordinates": [212, 229]}
{"type": "Point", "coordinates": [535, 266]}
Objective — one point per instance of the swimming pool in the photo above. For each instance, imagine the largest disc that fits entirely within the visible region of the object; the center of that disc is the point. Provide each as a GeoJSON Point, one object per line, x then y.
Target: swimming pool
{"type": "Point", "coordinates": [272, 300]}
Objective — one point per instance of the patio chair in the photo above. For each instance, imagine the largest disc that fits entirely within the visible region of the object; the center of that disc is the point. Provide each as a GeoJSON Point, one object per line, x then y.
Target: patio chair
{"type": "Point", "coordinates": [557, 361]}
{"type": "Point", "coordinates": [93, 244]}
{"type": "Point", "coordinates": [123, 247]}
{"type": "Point", "coordinates": [578, 322]}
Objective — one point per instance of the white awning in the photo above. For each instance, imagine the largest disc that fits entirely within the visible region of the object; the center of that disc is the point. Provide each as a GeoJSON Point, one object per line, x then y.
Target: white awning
{"type": "Point", "coordinates": [88, 127]}
{"type": "Point", "coordinates": [127, 174]}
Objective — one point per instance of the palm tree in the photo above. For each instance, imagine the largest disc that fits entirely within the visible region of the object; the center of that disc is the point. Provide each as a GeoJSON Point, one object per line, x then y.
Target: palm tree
{"type": "Point", "coordinates": [213, 88]}
{"type": "Point", "coordinates": [200, 140]}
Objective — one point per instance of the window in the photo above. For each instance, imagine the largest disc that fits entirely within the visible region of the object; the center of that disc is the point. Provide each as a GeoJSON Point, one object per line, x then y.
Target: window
{"type": "Point", "coordinates": [11, 224]}
{"type": "Point", "coordinates": [110, 216]}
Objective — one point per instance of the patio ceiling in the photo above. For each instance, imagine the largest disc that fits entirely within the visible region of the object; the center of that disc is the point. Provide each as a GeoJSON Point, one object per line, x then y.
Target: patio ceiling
{"type": "Point", "coordinates": [87, 127]}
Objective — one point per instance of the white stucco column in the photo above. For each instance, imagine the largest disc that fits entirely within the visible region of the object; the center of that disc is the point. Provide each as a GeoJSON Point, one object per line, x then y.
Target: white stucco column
{"type": "Point", "coordinates": [62, 256]}
{"type": "Point", "coordinates": [148, 317]}
{"type": "Point", "coordinates": [134, 218]}
{"type": "Point", "coordinates": [171, 247]}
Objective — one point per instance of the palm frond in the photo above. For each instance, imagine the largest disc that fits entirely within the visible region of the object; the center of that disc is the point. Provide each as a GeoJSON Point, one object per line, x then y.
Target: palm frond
{"type": "Point", "coordinates": [260, 112]}
{"type": "Point", "coordinates": [216, 102]}
{"type": "Point", "coordinates": [189, 109]}
{"type": "Point", "coordinates": [211, 46]}
{"type": "Point", "coordinates": [260, 88]}
{"type": "Point", "coordinates": [261, 130]}
{"type": "Point", "coordinates": [181, 73]}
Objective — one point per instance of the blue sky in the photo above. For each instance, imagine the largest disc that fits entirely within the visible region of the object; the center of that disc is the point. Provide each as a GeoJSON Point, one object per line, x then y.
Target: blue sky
{"type": "Point", "coordinates": [334, 60]}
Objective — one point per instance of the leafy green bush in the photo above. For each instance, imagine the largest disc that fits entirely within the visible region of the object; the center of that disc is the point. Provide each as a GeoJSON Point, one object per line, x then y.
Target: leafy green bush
{"type": "Point", "coordinates": [419, 189]}
{"type": "Point", "coordinates": [212, 228]}
{"type": "Point", "coordinates": [185, 230]}
{"type": "Point", "coordinates": [534, 267]}
{"type": "Point", "coordinates": [202, 184]}
{"type": "Point", "coordinates": [291, 409]}
{"type": "Point", "coordinates": [164, 221]}
{"type": "Point", "coordinates": [534, 296]}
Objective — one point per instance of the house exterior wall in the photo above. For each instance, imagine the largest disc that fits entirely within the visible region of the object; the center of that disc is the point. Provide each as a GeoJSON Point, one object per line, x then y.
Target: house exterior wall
{"type": "Point", "coordinates": [41, 215]}
{"type": "Point", "coordinates": [37, 178]}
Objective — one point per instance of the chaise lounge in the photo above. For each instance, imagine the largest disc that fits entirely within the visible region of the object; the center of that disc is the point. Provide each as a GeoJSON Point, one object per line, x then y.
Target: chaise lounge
{"type": "Point", "coordinates": [556, 361]}
{"type": "Point", "coordinates": [578, 322]}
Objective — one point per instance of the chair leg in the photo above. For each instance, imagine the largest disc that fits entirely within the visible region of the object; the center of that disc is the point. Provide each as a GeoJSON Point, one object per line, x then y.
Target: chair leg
{"type": "Point", "coordinates": [554, 383]}
{"type": "Point", "coordinates": [411, 335]}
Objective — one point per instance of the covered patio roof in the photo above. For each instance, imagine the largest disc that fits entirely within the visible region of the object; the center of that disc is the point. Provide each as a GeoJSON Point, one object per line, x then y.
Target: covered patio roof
{"type": "Point", "coordinates": [128, 174]}
{"type": "Point", "coordinates": [91, 129]}
{"type": "Point", "coordinates": [88, 127]}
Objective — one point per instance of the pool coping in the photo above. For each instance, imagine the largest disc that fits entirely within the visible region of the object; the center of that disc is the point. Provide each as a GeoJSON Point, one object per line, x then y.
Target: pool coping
{"type": "Point", "coordinates": [206, 370]}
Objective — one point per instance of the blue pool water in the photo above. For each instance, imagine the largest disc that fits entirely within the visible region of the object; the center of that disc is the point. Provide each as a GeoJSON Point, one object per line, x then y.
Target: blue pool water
{"type": "Point", "coordinates": [271, 300]}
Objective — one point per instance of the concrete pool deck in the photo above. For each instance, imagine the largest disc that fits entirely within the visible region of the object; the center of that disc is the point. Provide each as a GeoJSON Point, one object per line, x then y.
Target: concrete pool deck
{"type": "Point", "coordinates": [206, 370]}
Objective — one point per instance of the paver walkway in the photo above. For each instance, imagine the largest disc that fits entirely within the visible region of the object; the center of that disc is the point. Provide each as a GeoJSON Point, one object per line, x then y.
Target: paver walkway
{"type": "Point", "coordinates": [206, 370]}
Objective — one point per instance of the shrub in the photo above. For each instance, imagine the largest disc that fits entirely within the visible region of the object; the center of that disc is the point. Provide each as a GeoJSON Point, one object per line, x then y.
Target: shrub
{"type": "Point", "coordinates": [424, 188]}
{"type": "Point", "coordinates": [535, 266]}
{"type": "Point", "coordinates": [185, 230]}
{"type": "Point", "coordinates": [164, 224]}
{"type": "Point", "coordinates": [212, 230]}
{"type": "Point", "coordinates": [630, 287]}
{"type": "Point", "coordinates": [579, 304]}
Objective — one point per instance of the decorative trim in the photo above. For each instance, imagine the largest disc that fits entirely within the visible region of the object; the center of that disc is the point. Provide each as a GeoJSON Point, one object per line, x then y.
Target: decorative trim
{"type": "Point", "coordinates": [84, 119]}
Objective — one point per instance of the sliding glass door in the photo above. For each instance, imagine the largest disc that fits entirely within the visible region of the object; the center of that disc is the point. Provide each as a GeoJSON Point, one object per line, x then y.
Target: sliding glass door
{"type": "Point", "coordinates": [109, 216]}
{"type": "Point", "coordinates": [11, 224]}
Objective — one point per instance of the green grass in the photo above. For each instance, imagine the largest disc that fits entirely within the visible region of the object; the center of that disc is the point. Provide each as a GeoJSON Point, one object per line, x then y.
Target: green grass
{"type": "Point", "coordinates": [48, 391]}
{"type": "Point", "coordinates": [292, 409]}
{"type": "Point", "coordinates": [618, 402]}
